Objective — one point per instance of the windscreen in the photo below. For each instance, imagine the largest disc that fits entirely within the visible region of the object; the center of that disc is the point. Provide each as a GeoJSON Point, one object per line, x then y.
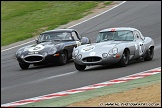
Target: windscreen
{"type": "Point", "coordinates": [55, 36]}
{"type": "Point", "coordinates": [123, 35]}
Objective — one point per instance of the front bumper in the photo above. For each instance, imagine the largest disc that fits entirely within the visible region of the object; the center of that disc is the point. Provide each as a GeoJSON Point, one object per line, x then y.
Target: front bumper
{"type": "Point", "coordinates": [38, 59]}
{"type": "Point", "coordinates": [97, 60]}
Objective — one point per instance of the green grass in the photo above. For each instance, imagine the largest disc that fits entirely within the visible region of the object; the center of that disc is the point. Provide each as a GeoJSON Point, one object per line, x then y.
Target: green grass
{"type": "Point", "coordinates": [21, 20]}
{"type": "Point", "coordinates": [107, 3]}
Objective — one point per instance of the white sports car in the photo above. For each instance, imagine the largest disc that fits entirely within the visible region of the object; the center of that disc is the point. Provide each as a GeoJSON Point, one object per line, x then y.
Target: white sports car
{"type": "Point", "coordinates": [114, 45]}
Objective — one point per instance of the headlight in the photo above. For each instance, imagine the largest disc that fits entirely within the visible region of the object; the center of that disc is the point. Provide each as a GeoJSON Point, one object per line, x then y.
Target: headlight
{"type": "Point", "coordinates": [79, 56]}
{"type": "Point", "coordinates": [104, 55]}
{"type": "Point", "coordinates": [22, 56]}
{"type": "Point", "coordinates": [113, 51]}
{"type": "Point", "coordinates": [45, 54]}
{"type": "Point", "coordinates": [18, 53]}
{"type": "Point", "coordinates": [52, 50]}
{"type": "Point", "coordinates": [76, 52]}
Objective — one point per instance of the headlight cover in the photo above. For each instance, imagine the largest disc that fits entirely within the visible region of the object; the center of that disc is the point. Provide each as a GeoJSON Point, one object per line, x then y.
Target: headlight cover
{"type": "Point", "coordinates": [76, 52]}
{"type": "Point", "coordinates": [52, 50]}
{"type": "Point", "coordinates": [18, 53]}
{"type": "Point", "coordinates": [104, 55]}
{"type": "Point", "coordinates": [79, 56]}
{"type": "Point", "coordinates": [113, 51]}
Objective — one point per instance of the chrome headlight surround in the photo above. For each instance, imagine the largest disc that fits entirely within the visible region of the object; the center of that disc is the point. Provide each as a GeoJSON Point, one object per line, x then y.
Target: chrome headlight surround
{"type": "Point", "coordinates": [52, 50]}
{"type": "Point", "coordinates": [104, 55]}
{"type": "Point", "coordinates": [45, 54]}
{"type": "Point", "coordinates": [76, 52]}
{"type": "Point", "coordinates": [113, 51]}
{"type": "Point", "coordinates": [18, 53]}
{"type": "Point", "coordinates": [79, 56]}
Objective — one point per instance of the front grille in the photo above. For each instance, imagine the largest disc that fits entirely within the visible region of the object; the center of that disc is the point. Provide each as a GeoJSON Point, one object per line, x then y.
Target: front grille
{"type": "Point", "coordinates": [33, 58]}
{"type": "Point", "coordinates": [92, 59]}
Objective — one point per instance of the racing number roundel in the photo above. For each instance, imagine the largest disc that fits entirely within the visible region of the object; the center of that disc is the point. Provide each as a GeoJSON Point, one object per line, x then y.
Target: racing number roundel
{"type": "Point", "coordinates": [36, 48]}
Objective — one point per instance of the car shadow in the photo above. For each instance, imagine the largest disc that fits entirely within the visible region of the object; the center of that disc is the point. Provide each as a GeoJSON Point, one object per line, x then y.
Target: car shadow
{"type": "Point", "coordinates": [50, 65]}
{"type": "Point", "coordinates": [101, 67]}
{"type": "Point", "coordinates": [114, 66]}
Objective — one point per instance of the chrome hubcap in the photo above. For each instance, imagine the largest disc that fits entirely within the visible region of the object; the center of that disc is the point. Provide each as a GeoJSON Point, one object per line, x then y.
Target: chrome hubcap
{"type": "Point", "coordinates": [125, 58]}
{"type": "Point", "coordinates": [63, 57]}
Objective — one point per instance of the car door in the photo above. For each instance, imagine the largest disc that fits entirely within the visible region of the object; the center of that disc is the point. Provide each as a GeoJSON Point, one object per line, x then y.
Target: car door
{"type": "Point", "coordinates": [139, 42]}
{"type": "Point", "coordinates": [76, 38]}
{"type": "Point", "coordinates": [76, 42]}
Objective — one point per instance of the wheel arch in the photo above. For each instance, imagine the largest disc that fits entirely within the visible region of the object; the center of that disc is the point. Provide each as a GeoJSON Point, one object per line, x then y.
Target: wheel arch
{"type": "Point", "coordinates": [66, 52]}
{"type": "Point", "coordinates": [127, 49]}
{"type": "Point", "coordinates": [151, 47]}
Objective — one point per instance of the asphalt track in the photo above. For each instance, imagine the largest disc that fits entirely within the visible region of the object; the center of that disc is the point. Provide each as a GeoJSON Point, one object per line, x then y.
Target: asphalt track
{"type": "Point", "coordinates": [17, 84]}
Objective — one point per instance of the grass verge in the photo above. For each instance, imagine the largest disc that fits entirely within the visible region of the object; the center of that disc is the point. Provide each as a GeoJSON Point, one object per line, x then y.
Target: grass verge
{"type": "Point", "coordinates": [21, 20]}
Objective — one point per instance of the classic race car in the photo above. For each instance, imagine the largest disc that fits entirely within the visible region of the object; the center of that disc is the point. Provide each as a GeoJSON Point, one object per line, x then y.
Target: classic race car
{"type": "Point", "coordinates": [54, 46]}
{"type": "Point", "coordinates": [114, 46]}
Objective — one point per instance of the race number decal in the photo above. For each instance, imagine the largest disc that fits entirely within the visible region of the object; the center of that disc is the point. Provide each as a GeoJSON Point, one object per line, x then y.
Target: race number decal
{"type": "Point", "coordinates": [87, 48]}
{"type": "Point", "coordinates": [141, 48]}
{"type": "Point", "coordinates": [136, 46]}
{"type": "Point", "coordinates": [36, 48]}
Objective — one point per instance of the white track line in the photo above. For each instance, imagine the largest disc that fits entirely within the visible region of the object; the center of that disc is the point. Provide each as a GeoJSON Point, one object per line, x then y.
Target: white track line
{"type": "Point", "coordinates": [17, 46]}
{"type": "Point", "coordinates": [98, 14]}
{"type": "Point", "coordinates": [158, 46]}
{"type": "Point", "coordinates": [70, 26]}
{"type": "Point", "coordinates": [39, 80]}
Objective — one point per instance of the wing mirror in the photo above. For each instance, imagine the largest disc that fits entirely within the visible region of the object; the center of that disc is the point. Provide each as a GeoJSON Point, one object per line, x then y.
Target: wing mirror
{"type": "Point", "coordinates": [36, 40]}
{"type": "Point", "coordinates": [85, 40]}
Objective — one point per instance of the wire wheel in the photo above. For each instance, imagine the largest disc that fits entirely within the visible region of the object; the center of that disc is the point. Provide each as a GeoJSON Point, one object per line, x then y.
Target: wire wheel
{"type": "Point", "coordinates": [24, 66]}
{"type": "Point", "coordinates": [149, 54]}
{"type": "Point", "coordinates": [79, 67]}
{"type": "Point", "coordinates": [63, 58]}
{"type": "Point", "coordinates": [125, 59]}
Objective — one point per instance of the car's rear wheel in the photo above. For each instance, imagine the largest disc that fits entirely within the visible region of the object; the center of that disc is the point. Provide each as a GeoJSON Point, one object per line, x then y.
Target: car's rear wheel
{"type": "Point", "coordinates": [63, 58]}
{"type": "Point", "coordinates": [24, 65]}
{"type": "Point", "coordinates": [125, 59]}
{"type": "Point", "coordinates": [149, 54]}
{"type": "Point", "coordinates": [79, 67]}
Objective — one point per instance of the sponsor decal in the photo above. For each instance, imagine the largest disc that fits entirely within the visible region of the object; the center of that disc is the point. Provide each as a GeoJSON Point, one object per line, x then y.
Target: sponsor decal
{"type": "Point", "coordinates": [92, 53]}
{"type": "Point", "coordinates": [33, 52]}
{"type": "Point", "coordinates": [136, 46]}
{"type": "Point", "coordinates": [113, 30]}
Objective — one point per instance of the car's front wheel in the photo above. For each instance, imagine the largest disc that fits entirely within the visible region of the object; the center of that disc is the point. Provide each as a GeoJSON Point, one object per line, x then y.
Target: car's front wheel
{"type": "Point", "coordinates": [149, 54]}
{"type": "Point", "coordinates": [79, 67]}
{"type": "Point", "coordinates": [24, 65]}
{"type": "Point", "coordinates": [124, 59]}
{"type": "Point", "coordinates": [63, 58]}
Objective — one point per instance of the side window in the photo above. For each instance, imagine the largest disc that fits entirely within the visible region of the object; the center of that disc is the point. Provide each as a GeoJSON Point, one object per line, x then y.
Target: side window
{"type": "Point", "coordinates": [40, 38]}
{"type": "Point", "coordinates": [137, 35]}
{"type": "Point", "coordinates": [74, 35]}
{"type": "Point", "coordinates": [142, 37]}
{"type": "Point", "coordinates": [129, 36]}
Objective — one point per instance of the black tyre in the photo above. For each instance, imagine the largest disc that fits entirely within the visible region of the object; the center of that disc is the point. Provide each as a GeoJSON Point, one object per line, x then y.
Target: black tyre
{"type": "Point", "coordinates": [24, 66]}
{"type": "Point", "coordinates": [125, 59]}
{"type": "Point", "coordinates": [63, 58]}
{"type": "Point", "coordinates": [149, 54]}
{"type": "Point", "coordinates": [79, 67]}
